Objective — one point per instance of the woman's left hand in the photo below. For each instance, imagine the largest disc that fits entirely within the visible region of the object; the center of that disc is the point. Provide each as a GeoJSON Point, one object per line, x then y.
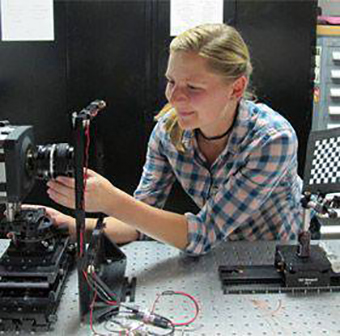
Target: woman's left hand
{"type": "Point", "coordinates": [97, 191]}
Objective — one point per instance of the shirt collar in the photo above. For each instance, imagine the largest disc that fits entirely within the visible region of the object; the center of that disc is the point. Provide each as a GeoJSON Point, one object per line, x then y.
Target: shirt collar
{"type": "Point", "coordinates": [187, 139]}
{"type": "Point", "coordinates": [238, 133]}
{"type": "Point", "coordinates": [242, 125]}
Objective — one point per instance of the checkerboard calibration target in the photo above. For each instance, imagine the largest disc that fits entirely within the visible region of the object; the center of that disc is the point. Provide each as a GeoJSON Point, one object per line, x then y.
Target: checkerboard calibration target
{"type": "Point", "coordinates": [326, 161]}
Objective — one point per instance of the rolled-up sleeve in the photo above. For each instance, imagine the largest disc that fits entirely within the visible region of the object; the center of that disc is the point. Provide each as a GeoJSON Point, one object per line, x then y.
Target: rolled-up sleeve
{"type": "Point", "coordinates": [268, 158]}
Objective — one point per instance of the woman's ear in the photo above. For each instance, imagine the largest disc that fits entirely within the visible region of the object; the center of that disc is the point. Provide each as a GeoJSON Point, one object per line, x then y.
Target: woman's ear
{"type": "Point", "coordinates": [239, 87]}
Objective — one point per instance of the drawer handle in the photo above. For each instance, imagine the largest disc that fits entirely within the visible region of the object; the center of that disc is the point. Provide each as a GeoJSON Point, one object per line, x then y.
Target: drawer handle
{"type": "Point", "coordinates": [336, 55]}
{"type": "Point", "coordinates": [335, 74]}
{"type": "Point", "coordinates": [334, 110]}
{"type": "Point", "coordinates": [335, 93]}
{"type": "Point", "coordinates": [330, 126]}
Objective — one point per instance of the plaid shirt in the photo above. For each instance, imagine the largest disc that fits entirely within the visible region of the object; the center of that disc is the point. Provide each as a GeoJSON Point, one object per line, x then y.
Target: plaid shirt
{"type": "Point", "coordinates": [251, 191]}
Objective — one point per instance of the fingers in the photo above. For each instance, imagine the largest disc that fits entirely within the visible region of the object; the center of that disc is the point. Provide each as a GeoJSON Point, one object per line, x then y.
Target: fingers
{"type": "Point", "coordinates": [67, 181]}
{"type": "Point", "coordinates": [35, 206]}
{"type": "Point", "coordinates": [60, 198]}
{"type": "Point", "coordinates": [90, 172]}
{"type": "Point", "coordinates": [31, 206]}
{"type": "Point", "coordinates": [70, 182]}
{"type": "Point", "coordinates": [61, 187]}
{"type": "Point", "coordinates": [62, 191]}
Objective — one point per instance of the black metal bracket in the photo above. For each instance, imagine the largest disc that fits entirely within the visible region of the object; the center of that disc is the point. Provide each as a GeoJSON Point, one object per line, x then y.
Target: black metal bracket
{"type": "Point", "coordinates": [104, 258]}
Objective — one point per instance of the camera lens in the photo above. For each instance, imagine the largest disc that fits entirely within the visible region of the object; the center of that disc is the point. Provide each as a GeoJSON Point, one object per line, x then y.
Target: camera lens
{"type": "Point", "coordinates": [53, 160]}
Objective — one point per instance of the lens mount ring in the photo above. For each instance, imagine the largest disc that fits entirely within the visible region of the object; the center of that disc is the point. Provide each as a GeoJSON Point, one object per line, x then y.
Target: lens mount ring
{"type": "Point", "coordinates": [53, 148]}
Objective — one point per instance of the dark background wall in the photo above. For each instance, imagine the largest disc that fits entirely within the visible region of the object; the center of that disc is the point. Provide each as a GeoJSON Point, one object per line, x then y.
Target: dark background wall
{"type": "Point", "coordinates": [117, 51]}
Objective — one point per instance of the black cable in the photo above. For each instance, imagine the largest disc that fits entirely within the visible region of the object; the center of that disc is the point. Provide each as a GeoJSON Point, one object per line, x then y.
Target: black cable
{"type": "Point", "coordinates": [102, 294]}
{"type": "Point", "coordinates": [171, 332]}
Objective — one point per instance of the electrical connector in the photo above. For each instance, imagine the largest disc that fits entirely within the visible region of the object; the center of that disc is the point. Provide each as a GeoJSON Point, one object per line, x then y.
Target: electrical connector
{"type": "Point", "coordinates": [152, 318]}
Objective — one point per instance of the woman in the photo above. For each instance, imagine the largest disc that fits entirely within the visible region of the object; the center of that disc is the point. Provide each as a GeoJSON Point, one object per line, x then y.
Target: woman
{"type": "Point", "coordinates": [236, 159]}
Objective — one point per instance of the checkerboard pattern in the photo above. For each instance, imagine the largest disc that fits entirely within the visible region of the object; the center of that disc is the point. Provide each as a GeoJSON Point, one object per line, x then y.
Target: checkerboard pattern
{"type": "Point", "coordinates": [326, 161]}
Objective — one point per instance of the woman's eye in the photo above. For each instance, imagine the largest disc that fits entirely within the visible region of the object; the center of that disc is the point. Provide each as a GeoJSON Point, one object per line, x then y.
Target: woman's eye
{"type": "Point", "coordinates": [170, 82]}
{"type": "Point", "coordinates": [193, 88]}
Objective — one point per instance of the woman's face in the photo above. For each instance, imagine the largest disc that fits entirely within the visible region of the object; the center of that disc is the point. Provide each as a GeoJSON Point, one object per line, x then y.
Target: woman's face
{"type": "Point", "coordinates": [201, 98]}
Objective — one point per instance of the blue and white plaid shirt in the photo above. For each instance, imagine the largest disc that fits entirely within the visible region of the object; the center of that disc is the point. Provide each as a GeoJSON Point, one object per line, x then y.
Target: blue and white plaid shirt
{"type": "Point", "coordinates": [252, 191]}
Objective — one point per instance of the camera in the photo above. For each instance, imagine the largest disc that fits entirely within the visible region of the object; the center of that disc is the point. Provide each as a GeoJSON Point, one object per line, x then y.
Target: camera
{"type": "Point", "coordinates": [21, 161]}
{"type": "Point", "coordinates": [34, 267]}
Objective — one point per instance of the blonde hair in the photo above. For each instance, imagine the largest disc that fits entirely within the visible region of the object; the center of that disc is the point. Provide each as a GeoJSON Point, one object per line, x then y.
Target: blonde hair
{"type": "Point", "coordinates": [226, 53]}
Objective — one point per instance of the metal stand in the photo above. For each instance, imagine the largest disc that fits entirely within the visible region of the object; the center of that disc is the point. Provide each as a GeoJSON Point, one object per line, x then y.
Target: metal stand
{"type": "Point", "coordinates": [102, 257]}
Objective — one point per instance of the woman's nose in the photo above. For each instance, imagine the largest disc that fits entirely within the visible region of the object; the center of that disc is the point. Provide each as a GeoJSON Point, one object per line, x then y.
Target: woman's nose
{"type": "Point", "coordinates": [177, 94]}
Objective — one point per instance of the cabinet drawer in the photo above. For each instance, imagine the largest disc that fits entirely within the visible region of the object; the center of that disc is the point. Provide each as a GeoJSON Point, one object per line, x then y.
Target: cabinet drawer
{"type": "Point", "coordinates": [330, 41]}
{"type": "Point", "coordinates": [334, 110]}
{"type": "Point", "coordinates": [330, 95]}
{"type": "Point", "coordinates": [335, 74]}
{"type": "Point", "coordinates": [331, 75]}
{"type": "Point", "coordinates": [331, 125]}
{"type": "Point", "coordinates": [334, 92]}
{"type": "Point", "coordinates": [333, 56]}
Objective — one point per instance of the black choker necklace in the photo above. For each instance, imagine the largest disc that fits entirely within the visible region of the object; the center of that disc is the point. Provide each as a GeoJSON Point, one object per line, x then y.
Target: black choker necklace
{"type": "Point", "coordinates": [217, 137]}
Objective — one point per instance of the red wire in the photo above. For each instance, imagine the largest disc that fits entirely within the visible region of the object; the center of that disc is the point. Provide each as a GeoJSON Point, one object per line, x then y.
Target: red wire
{"type": "Point", "coordinates": [109, 302]}
{"type": "Point", "coordinates": [197, 309]}
{"type": "Point", "coordinates": [91, 311]}
{"type": "Point", "coordinates": [87, 148]}
{"type": "Point", "coordinates": [155, 302]}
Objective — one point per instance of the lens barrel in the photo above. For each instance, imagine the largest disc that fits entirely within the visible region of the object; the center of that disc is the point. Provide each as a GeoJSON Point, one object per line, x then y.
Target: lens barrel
{"type": "Point", "coordinates": [54, 160]}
